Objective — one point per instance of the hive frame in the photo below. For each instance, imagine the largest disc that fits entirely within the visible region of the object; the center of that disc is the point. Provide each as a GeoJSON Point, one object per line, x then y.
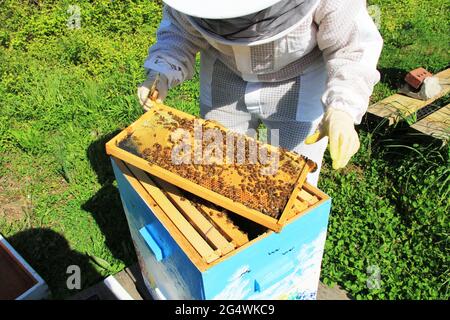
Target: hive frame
{"type": "Point", "coordinates": [276, 225]}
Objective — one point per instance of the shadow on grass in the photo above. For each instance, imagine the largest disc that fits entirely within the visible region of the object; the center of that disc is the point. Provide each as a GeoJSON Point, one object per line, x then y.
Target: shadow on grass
{"type": "Point", "coordinates": [106, 206]}
{"type": "Point", "coordinates": [100, 161]}
{"type": "Point", "coordinates": [393, 77]}
{"type": "Point", "coordinates": [406, 153]}
{"type": "Point", "coordinates": [51, 255]}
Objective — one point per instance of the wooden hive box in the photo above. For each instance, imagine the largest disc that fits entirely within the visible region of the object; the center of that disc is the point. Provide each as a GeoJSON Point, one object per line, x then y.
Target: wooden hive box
{"type": "Point", "coordinates": [188, 248]}
{"type": "Point", "coordinates": [18, 280]}
{"type": "Point", "coordinates": [257, 181]}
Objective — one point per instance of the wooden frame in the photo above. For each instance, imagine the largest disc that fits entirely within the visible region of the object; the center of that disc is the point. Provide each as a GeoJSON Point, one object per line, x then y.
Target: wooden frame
{"type": "Point", "coordinates": [230, 231]}
{"type": "Point", "coordinates": [168, 224]}
{"type": "Point", "coordinates": [197, 219]}
{"type": "Point", "coordinates": [399, 106]}
{"type": "Point", "coordinates": [112, 148]}
{"type": "Point", "coordinates": [436, 124]}
{"type": "Point", "coordinates": [192, 228]}
{"type": "Point", "coordinates": [200, 244]}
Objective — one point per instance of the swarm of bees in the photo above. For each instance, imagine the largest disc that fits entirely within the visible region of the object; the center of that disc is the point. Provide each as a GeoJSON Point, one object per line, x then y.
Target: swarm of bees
{"type": "Point", "coordinates": [240, 180]}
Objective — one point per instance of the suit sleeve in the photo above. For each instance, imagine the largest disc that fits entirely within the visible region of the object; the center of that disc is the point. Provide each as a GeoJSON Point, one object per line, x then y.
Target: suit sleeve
{"type": "Point", "coordinates": [177, 44]}
{"type": "Point", "coordinates": [352, 46]}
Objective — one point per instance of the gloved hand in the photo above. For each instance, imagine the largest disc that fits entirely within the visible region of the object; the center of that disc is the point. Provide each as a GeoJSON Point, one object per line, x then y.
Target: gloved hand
{"type": "Point", "coordinates": [145, 94]}
{"type": "Point", "coordinates": [338, 125]}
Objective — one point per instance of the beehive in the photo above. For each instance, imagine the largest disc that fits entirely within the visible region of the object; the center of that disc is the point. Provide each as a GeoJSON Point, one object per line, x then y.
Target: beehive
{"type": "Point", "coordinates": [18, 280]}
{"type": "Point", "coordinates": [189, 248]}
{"type": "Point", "coordinates": [267, 192]}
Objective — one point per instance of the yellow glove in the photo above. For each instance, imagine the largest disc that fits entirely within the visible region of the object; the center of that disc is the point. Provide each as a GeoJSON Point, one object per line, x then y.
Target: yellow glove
{"type": "Point", "coordinates": [154, 89]}
{"type": "Point", "coordinates": [343, 140]}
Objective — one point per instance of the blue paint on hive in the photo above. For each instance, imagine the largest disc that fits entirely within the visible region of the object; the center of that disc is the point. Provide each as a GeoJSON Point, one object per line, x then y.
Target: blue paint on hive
{"type": "Point", "coordinates": [283, 265]}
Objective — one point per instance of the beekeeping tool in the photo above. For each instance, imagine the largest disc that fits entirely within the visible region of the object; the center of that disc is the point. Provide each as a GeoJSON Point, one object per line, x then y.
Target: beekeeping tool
{"type": "Point", "coordinates": [153, 92]}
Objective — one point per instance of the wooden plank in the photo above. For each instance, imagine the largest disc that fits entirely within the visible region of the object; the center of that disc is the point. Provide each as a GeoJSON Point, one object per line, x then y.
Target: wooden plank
{"type": "Point", "coordinates": [196, 189]}
{"type": "Point", "coordinates": [297, 208]}
{"type": "Point", "coordinates": [398, 106]}
{"type": "Point", "coordinates": [179, 238]}
{"type": "Point", "coordinates": [436, 124]}
{"type": "Point", "coordinates": [315, 191]}
{"type": "Point", "coordinates": [307, 197]}
{"type": "Point", "coordinates": [177, 218]}
{"type": "Point", "coordinates": [197, 219]}
{"type": "Point", "coordinates": [238, 237]}
{"type": "Point", "coordinates": [300, 182]}
{"type": "Point", "coordinates": [145, 189]}
{"type": "Point", "coordinates": [300, 206]}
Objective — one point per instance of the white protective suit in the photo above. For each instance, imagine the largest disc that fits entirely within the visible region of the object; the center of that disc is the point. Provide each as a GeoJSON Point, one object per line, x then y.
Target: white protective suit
{"type": "Point", "coordinates": [328, 58]}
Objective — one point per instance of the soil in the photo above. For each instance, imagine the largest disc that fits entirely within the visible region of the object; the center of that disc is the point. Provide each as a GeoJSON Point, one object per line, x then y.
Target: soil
{"type": "Point", "coordinates": [13, 204]}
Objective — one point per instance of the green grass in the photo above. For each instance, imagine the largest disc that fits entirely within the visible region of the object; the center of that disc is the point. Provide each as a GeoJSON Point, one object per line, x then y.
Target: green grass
{"type": "Point", "coordinates": [64, 92]}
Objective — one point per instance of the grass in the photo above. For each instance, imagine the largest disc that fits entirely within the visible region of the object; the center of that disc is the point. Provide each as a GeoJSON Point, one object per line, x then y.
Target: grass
{"type": "Point", "coordinates": [64, 92]}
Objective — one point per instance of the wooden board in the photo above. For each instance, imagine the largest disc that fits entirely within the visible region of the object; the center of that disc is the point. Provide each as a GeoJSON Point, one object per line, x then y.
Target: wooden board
{"type": "Point", "coordinates": [298, 208]}
{"type": "Point", "coordinates": [168, 224]}
{"type": "Point", "coordinates": [436, 124]}
{"type": "Point", "coordinates": [398, 106]}
{"type": "Point", "coordinates": [306, 199]}
{"type": "Point", "coordinates": [203, 248]}
{"type": "Point", "coordinates": [238, 237]}
{"type": "Point", "coordinates": [305, 196]}
{"type": "Point", "coordinates": [197, 219]}
{"type": "Point", "coordinates": [291, 209]}
{"type": "Point", "coordinates": [167, 211]}
{"type": "Point", "coordinates": [143, 127]}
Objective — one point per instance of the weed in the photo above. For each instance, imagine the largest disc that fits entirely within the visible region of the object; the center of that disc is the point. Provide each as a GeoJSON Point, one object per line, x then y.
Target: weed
{"type": "Point", "coordinates": [64, 91]}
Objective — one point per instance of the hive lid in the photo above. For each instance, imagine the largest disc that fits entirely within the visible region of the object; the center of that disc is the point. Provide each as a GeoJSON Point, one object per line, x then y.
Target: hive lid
{"type": "Point", "coordinates": [236, 172]}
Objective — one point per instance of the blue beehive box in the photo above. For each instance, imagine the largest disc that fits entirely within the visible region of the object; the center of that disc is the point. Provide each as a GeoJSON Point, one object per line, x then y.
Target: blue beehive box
{"type": "Point", "coordinates": [269, 265]}
{"type": "Point", "coordinates": [18, 280]}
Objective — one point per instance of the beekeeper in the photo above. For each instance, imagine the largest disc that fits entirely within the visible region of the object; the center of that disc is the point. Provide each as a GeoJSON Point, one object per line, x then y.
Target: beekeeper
{"type": "Point", "coordinates": [304, 67]}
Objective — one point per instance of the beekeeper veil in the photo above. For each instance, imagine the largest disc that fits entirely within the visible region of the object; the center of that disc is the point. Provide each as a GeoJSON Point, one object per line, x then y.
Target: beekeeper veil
{"type": "Point", "coordinates": [277, 16]}
{"type": "Point", "coordinates": [257, 26]}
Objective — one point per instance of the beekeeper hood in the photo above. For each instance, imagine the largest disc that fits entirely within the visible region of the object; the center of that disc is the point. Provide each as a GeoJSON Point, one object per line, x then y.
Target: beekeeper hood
{"type": "Point", "coordinates": [246, 21]}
